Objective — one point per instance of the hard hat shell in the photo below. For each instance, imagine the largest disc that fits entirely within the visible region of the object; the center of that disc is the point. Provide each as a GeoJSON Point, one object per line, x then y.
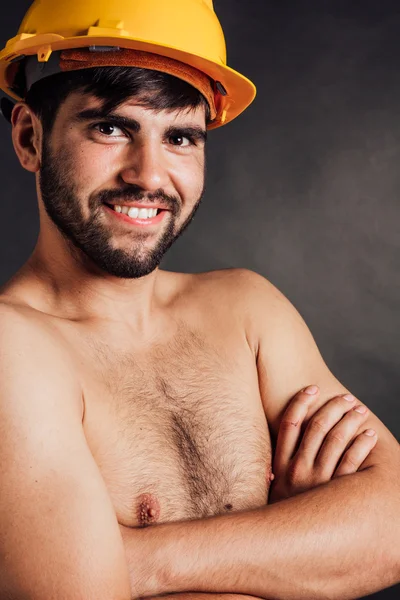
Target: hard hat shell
{"type": "Point", "coordinates": [185, 30]}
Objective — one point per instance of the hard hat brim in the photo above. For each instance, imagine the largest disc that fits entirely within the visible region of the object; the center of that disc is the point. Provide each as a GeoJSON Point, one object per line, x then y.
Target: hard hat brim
{"type": "Point", "coordinates": [240, 90]}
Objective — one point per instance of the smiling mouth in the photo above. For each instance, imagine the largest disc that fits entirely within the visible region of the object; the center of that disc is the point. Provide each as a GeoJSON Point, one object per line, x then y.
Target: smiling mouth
{"type": "Point", "coordinates": [135, 212]}
{"type": "Point", "coordinates": [135, 215]}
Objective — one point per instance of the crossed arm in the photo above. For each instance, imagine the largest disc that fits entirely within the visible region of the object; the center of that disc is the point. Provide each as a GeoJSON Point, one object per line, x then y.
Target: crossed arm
{"type": "Point", "coordinates": [338, 540]}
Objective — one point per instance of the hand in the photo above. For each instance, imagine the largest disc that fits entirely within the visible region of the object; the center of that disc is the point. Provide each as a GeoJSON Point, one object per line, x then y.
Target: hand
{"type": "Point", "coordinates": [329, 447]}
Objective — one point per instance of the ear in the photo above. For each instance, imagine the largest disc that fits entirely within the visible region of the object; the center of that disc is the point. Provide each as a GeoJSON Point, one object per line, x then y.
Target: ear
{"type": "Point", "coordinates": [26, 136]}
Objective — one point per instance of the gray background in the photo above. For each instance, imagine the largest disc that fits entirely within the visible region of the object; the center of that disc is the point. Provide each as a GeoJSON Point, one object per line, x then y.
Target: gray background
{"type": "Point", "coordinates": [302, 188]}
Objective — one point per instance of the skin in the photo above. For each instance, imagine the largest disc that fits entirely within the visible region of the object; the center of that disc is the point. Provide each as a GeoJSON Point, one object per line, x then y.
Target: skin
{"type": "Point", "coordinates": [64, 294]}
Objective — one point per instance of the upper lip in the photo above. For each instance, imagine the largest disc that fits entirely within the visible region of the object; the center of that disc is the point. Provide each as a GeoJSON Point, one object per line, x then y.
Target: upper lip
{"type": "Point", "coordinates": [139, 205]}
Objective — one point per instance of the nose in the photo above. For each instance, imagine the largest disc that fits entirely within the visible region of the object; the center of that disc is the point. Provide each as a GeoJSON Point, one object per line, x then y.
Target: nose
{"type": "Point", "coordinates": [147, 167]}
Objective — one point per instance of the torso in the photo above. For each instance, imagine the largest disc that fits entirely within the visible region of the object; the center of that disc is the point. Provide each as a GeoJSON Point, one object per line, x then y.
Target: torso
{"type": "Point", "coordinates": [178, 420]}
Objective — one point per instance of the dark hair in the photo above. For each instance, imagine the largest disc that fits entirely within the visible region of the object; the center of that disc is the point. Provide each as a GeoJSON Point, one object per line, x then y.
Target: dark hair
{"type": "Point", "coordinates": [153, 89]}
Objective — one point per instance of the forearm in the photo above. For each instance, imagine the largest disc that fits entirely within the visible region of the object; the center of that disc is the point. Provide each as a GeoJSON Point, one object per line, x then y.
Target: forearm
{"type": "Point", "coordinates": [202, 596]}
{"type": "Point", "coordinates": [336, 541]}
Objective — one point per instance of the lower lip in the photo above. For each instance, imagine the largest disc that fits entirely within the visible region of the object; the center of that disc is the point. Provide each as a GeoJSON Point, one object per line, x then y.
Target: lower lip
{"type": "Point", "coordinates": [139, 222]}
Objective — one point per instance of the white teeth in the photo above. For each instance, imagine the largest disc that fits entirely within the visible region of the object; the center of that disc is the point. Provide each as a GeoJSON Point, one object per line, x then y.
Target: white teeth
{"type": "Point", "coordinates": [133, 213]}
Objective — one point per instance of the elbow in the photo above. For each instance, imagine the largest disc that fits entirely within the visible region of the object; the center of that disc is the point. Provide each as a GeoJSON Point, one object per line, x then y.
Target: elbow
{"type": "Point", "coordinates": [382, 516]}
{"type": "Point", "coordinates": [385, 546]}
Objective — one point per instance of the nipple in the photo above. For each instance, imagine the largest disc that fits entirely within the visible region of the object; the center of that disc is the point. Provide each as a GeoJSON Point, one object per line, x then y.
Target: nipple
{"type": "Point", "coordinates": [270, 478]}
{"type": "Point", "coordinates": [148, 510]}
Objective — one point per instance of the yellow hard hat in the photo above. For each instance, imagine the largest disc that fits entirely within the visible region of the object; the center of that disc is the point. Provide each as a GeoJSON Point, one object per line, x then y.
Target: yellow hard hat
{"type": "Point", "coordinates": [185, 30]}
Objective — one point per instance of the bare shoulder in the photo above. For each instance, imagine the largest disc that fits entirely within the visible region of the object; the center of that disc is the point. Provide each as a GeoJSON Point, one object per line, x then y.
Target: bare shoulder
{"type": "Point", "coordinates": [242, 283]}
{"type": "Point", "coordinates": [236, 295]}
{"type": "Point", "coordinates": [31, 349]}
{"type": "Point", "coordinates": [244, 290]}
{"type": "Point", "coordinates": [238, 284]}
{"type": "Point", "coordinates": [21, 325]}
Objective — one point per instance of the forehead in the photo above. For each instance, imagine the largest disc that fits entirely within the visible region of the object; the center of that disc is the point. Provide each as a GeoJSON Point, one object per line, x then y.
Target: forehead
{"type": "Point", "coordinates": [78, 102]}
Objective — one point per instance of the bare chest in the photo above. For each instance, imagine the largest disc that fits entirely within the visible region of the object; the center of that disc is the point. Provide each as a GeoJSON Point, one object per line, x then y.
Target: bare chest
{"type": "Point", "coordinates": [179, 432]}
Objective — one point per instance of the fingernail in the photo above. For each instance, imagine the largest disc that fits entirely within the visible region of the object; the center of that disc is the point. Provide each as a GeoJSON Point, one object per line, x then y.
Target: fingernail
{"type": "Point", "coordinates": [360, 409]}
{"type": "Point", "coordinates": [311, 390]}
{"type": "Point", "coordinates": [349, 397]}
{"type": "Point", "coordinates": [370, 432]}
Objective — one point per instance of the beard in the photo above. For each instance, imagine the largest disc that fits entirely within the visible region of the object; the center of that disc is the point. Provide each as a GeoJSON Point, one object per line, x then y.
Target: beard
{"type": "Point", "coordinates": [90, 235]}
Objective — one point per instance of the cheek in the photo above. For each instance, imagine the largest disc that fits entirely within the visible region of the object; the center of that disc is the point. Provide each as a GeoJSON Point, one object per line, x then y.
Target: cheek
{"type": "Point", "coordinates": [188, 179]}
{"type": "Point", "coordinates": [92, 170]}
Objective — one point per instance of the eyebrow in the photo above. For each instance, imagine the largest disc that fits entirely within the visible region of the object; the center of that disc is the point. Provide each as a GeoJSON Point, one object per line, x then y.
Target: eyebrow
{"type": "Point", "coordinates": [93, 114]}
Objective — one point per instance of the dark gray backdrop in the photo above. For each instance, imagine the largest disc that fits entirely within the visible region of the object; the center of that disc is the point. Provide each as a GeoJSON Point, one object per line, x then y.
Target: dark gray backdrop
{"type": "Point", "coordinates": [302, 188]}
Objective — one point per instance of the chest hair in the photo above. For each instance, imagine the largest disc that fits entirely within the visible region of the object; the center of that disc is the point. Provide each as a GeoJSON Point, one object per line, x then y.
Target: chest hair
{"type": "Point", "coordinates": [192, 408]}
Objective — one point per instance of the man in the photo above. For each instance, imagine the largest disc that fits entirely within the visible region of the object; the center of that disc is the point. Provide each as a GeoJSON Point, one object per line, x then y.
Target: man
{"type": "Point", "coordinates": [137, 404]}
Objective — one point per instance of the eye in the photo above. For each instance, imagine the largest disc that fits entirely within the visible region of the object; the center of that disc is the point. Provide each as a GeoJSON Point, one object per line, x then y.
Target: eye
{"type": "Point", "coordinates": [107, 128]}
{"type": "Point", "coordinates": [180, 140]}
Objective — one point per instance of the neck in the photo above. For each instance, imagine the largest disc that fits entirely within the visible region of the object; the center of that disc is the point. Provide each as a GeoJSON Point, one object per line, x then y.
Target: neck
{"type": "Point", "coordinates": [64, 282]}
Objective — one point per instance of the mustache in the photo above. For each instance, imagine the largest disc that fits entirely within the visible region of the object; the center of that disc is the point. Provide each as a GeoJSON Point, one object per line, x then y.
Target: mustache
{"type": "Point", "coordinates": [136, 194]}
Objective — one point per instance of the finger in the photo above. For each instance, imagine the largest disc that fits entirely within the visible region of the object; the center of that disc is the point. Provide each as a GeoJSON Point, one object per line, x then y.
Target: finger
{"type": "Point", "coordinates": [320, 425]}
{"type": "Point", "coordinates": [357, 453]}
{"type": "Point", "coordinates": [337, 440]}
{"type": "Point", "coordinates": [290, 426]}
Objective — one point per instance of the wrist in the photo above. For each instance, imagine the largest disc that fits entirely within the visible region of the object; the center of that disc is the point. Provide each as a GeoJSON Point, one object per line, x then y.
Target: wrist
{"type": "Point", "coordinates": [162, 552]}
{"type": "Point", "coordinates": [150, 569]}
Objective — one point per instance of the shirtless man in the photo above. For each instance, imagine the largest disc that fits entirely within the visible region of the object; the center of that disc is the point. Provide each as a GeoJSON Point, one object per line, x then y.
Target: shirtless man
{"type": "Point", "coordinates": [137, 404]}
